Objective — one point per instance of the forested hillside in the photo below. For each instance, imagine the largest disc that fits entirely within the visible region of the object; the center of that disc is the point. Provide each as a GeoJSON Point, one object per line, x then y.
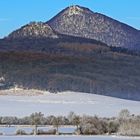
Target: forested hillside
{"type": "Point", "coordinates": [61, 66]}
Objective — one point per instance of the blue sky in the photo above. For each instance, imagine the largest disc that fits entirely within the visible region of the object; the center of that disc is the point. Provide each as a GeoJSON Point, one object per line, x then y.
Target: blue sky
{"type": "Point", "coordinates": [15, 13]}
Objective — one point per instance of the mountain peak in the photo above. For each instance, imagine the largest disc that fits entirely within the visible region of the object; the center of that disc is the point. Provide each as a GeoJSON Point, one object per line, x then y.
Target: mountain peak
{"type": "Point", "coordinates": [75, 10]}
{"type": "Point", "coordinates": [82, 22]}
{"type": "Point", "coordinates": [34, 30]}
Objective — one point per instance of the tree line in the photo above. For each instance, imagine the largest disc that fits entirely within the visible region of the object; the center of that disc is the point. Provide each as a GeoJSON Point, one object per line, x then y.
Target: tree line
{"type": "Point", "coordinates": [125, 124]}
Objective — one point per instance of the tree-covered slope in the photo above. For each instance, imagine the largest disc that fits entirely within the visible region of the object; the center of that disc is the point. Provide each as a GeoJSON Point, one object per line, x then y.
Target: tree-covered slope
{"type": "Point", "coordinates": [74, 66]}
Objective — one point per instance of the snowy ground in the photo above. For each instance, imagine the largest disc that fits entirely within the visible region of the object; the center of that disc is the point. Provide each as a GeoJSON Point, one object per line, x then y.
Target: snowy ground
{"type": "Point", "coordinates": [65, 138]}
{"type": "Point", "coordinates": [63, 103]}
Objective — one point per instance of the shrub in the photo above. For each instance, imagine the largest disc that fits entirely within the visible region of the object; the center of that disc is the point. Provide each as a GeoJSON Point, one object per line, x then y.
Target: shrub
{"type": "Point", "coordinates": [49, 132]}
{"type": "Point", "coordinates": [130, 127]}
{"type": "Point", "coordinates": [21, 132]}
{"type": "Point", "coordinates": [113, 126]}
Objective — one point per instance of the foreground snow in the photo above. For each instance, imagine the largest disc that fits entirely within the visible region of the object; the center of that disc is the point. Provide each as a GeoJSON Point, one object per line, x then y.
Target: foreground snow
{"type": "Point", "coordinates": [65, 138]}
{"type": "Point", "coordinates": [63, 103]}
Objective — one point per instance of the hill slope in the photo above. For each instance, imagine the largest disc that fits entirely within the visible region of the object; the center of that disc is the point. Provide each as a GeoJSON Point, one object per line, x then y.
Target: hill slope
{"type": "Point", "coordinates": [65, 65]}
{"type": "Point", "coordinates": [51, 104]}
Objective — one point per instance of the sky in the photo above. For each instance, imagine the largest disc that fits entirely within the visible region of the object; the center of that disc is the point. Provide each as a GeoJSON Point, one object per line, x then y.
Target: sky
{"type": "Point", "coordinates": [16, 13]}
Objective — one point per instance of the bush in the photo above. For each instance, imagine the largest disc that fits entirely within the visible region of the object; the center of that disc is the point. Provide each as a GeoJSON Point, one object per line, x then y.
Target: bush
{"type": "Point", "coordinates": [21, 132]}
{"type": "Point", "coordinates": [130, 127]}
{"type": "Point", "coordinates": [89, 129]}
{"type": "Point", "coordinates": [113, 126]}
{"type": "Point", "coordinates": [1, 133]}
{"type": "Point", "coordinates": [49, 132]}
{"type": "Point", "coordinates": [92, 125]}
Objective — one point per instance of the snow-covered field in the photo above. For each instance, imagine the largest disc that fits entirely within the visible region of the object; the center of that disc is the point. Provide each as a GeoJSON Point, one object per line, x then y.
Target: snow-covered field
{"type": "Point", "coordinates": [63, 103]}
{"type": "Point", "coordinates": [65, 138]}
{"type": "Point", "coordinates": [11, 131]}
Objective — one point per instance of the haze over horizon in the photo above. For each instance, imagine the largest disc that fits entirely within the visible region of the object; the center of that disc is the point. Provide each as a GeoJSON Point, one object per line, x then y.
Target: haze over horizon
{"type": "Point", "coordinates": [17, 13]}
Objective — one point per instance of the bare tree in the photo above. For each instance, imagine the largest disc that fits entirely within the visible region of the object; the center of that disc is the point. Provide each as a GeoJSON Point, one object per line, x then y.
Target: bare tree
{"type": "Point", "coordinates": [57, 121]}
{"type": "Point", "coordinates": [76, 121]}
{"type": "Point", "coordinates": [36, 119]}
{"type": "Point", "coordinates": [71, 116]}
{"type": "Point", "coordinates": [124, 114]}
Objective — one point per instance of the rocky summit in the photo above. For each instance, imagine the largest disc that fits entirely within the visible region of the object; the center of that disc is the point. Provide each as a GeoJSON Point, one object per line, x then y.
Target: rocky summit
{"type": "Point", "coordinates": [82, 22]}
{"type": "Point", "coordinates": [34, 30]}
